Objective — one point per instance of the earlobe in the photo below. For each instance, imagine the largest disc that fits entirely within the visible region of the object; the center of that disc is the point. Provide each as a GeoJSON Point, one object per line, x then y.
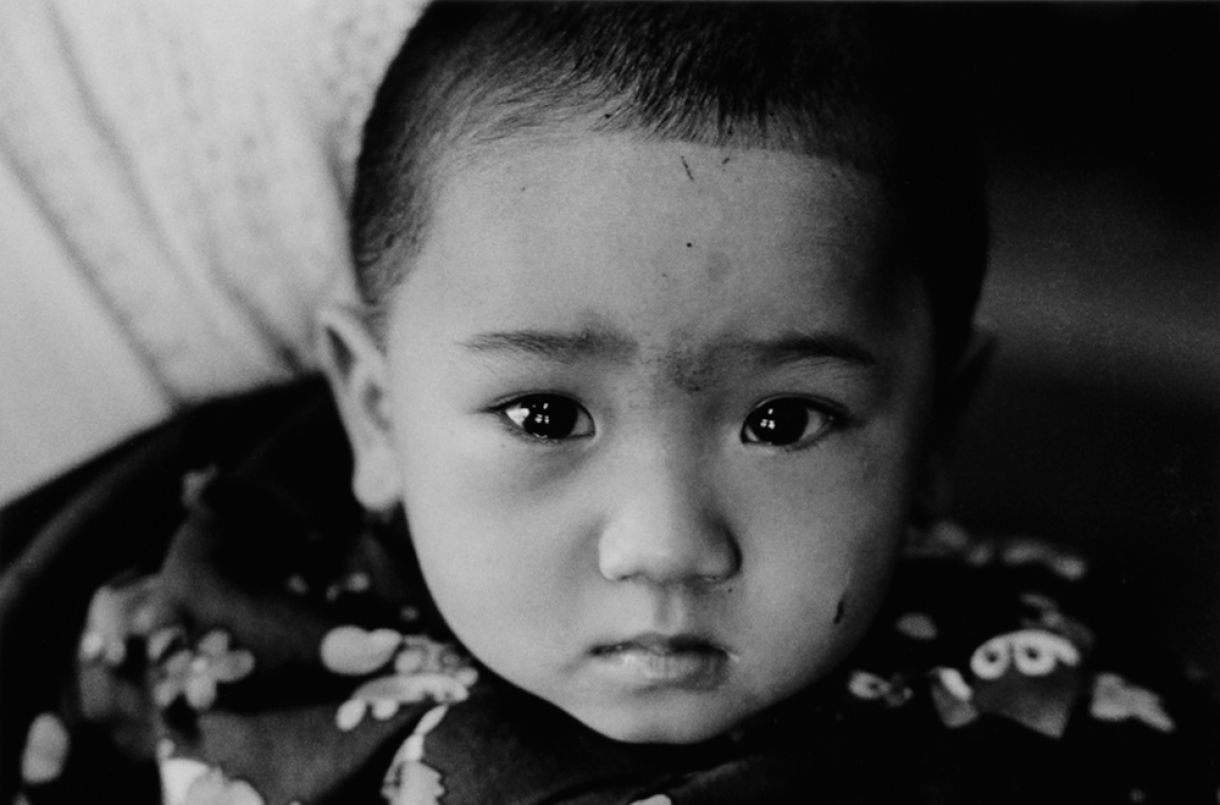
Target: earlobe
{"type": "Point", "coordinates": [356, 368]}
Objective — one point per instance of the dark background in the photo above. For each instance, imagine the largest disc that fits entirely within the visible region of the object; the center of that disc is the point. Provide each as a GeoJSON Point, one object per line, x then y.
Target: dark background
{"type": "Point", "coordinates": [1099, 424]}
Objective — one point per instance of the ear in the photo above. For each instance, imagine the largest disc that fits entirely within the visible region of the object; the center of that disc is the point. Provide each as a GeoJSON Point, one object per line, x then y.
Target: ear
{"type": "Point", "coordinates": [953, 397]}
{"type": "Point", "coordinates": [961, 386]}
{"type": "Point", "coordinates": [358, 374]}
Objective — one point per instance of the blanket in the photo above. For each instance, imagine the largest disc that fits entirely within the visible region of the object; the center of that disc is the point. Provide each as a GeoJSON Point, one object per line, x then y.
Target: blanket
{"type": "Point", "coordinates": [205, 615]}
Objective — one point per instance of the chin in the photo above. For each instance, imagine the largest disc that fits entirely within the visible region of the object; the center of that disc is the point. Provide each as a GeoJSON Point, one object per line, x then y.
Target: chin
{"type": "Point", "coordinates": [652, 724]}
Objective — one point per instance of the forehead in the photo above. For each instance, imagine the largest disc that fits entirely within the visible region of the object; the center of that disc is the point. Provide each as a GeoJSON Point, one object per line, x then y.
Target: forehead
{"type": "Point", "coordinates": [711, 242]}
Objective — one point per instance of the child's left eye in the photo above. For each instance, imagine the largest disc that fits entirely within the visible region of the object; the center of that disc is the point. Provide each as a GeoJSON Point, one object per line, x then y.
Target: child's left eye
{"type": "Point", "coordinates": [548, 417]}
{"type": "Point", "coordinates": [787, 421]}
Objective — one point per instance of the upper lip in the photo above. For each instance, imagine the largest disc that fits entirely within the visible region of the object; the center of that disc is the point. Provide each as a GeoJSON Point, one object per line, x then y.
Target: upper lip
{"type": "Point", "coordinates": [658, 643]}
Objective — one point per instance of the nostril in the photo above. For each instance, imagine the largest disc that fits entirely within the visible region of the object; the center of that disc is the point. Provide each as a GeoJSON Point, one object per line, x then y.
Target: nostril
{"type": "Point", "coordinates": [663, 525]}
{"type": "Point", "coordinates": [722, 564]}
{"type": "Point", "coordinates": [699, 557]}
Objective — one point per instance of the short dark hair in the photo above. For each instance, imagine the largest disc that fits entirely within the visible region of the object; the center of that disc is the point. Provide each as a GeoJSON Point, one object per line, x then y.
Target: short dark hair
{"type": "Point", "coordinates": [859, 83]}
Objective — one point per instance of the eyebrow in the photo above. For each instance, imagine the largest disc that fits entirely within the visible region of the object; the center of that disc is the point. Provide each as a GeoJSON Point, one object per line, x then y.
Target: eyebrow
{"type": "Point", "coordinates": [795, 346]}
{"type": "Point", "coordinates": [601, 344]}
{"type": "Point", "coordinates": [557, 346]}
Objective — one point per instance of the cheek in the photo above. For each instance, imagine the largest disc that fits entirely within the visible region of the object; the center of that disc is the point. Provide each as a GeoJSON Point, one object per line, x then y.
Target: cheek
{"type": "Point", "coordinates": [818, 590]}
{"type": "Point", "coordinates": [825, 571]}
{"type": "Point", "coordinates": [493, 586]}
{"type": "Point", "coordinates": [823, 539]}
{"type": "Point", "coordinates": [834, 519]}
{"type": "Point", "coordinates": [499, 557]}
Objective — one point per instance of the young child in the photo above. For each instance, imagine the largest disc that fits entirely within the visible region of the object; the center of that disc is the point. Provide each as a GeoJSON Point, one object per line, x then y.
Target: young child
{"type": "Point", "coordinates": [667, 317]}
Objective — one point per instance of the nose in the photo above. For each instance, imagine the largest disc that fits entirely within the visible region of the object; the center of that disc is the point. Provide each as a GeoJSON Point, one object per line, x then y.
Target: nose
{"type": "Point", "coordinates": [664, 527]}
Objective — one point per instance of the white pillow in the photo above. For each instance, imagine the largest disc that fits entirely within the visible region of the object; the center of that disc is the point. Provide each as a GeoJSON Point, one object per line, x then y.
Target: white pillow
{"type": "Point", "coordinates": [173, 179]}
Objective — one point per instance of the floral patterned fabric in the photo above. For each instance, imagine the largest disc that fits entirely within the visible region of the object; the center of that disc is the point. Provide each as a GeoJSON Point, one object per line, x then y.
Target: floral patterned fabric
{"type": "Point", "coordinates": [266, 643]}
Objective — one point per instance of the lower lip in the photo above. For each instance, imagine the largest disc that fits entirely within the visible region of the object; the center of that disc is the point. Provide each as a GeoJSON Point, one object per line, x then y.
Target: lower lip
{"type": "Point", "coordinates": [682, 668]}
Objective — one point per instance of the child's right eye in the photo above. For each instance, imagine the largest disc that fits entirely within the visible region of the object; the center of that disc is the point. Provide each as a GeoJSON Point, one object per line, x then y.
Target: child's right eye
{"type": "Point", "coordinates": [548, 417]}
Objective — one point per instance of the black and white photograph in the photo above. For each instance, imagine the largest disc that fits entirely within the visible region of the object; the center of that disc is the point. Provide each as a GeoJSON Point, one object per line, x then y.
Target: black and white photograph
{"type": "Point", "coordinates": [609, 402]}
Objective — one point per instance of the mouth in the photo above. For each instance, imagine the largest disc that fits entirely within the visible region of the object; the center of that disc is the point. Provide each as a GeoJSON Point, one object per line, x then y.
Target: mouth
{"type": "Point", "coordinates": [663, 661]}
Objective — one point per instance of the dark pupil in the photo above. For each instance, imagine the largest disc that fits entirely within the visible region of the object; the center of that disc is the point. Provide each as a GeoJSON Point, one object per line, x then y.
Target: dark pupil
{"type": "Point", "coordinates": [549, 419]}
{"type": "Point", "coordinates": [778, 422]}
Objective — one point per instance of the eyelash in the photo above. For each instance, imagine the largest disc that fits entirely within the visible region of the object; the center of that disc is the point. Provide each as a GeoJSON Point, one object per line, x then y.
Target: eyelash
{"type": "Point", "coordinates": [832, 417]}
{"type": "Point", "coordinates": [527, 415]}
{"type": "Point", "coordinates": [517, 425]}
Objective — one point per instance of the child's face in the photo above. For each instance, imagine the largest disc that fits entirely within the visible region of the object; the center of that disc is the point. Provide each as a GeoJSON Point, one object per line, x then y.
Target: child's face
{"type": "Point", "coordinates": [656, 415]}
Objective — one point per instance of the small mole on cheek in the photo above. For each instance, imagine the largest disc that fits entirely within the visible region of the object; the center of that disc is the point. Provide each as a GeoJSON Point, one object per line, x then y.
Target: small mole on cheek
{"type": "Point", "coordinates": [689, 244]}
{"type": "Point", "coordinates": [840, 609]}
